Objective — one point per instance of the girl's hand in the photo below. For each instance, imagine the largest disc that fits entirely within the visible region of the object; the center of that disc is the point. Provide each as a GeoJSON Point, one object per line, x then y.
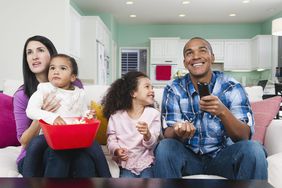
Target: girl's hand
{"type": "Point", "coordinates": [50, 102]}
{"type": "Point", "coordinates": [122, 154]}
{"type": "Point", "coordinates": [59, 121]}
{"type": "Point", "coordinates": [90, 114]}
{"type": "Point", "coordinates": [142, 128]}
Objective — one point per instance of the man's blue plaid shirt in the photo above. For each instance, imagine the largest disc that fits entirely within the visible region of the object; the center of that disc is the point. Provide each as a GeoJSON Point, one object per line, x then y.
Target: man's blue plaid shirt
{"type": "Point", "coordinates": [181, 102]}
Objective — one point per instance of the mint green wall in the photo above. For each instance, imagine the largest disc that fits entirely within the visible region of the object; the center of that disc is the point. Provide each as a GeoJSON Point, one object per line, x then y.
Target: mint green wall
{"type": "Point", "coordinates": [252, 77]}
{"type": "Point", "coordinates": [138, 35]}
{"type": "Point", "coordinates": [266, 26]}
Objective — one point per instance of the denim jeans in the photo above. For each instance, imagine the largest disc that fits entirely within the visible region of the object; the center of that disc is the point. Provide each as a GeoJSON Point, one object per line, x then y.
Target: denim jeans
{"type": "Point", "coordinates": [146, 173]}
{"type": "Point", "coordinates": [32, 164]}
{"type": "Point", "coordinates": [97, 155]}
{"type": "Point", "coordinates": [86, 162]}
{"type": "Point", "coordinates": [242, 160]}
{"type": "Point", "coordinates": [69, 163]}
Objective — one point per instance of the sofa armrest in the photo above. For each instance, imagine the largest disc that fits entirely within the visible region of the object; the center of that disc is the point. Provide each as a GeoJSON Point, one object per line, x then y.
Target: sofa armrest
{"type": "Point", "coordinates": [273, 138]}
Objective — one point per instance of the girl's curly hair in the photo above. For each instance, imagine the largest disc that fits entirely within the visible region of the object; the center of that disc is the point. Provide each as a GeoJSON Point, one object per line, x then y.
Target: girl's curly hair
{"type": "Point", "coordinates": [119, 95]}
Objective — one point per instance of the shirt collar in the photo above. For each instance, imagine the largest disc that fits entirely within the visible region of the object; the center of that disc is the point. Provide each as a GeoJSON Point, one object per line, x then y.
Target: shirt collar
{"type": "Point", "coordinates": [190, 87]}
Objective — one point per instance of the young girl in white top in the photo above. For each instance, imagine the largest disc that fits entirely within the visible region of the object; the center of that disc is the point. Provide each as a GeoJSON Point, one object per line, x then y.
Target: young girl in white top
{"type": "Point", "coordinates": [134, 125]}
{"type": "Point", "coordinates": [62, 73]}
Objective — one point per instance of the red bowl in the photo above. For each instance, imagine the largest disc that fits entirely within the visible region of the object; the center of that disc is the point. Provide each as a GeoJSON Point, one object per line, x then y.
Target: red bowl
{"type": "Point", "coordinates": [71, 136]}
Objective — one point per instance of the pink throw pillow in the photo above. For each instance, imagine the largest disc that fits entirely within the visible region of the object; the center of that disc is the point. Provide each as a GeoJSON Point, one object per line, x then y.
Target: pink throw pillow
{"type": "Point", "coordinates": [8, 136]}
{"type": "Point", "coordinates": [264, 112]}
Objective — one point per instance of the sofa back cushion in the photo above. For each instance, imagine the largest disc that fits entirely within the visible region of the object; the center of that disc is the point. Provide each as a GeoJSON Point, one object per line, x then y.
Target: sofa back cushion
{"type": "Point", "coordinates": [8, 135]}
{"type": "Point", "coordinates": [264, 112]}
{"type": "Point", "coordinates": [254, 93]}
{"type": "Point", "coordinates": [95, 92]}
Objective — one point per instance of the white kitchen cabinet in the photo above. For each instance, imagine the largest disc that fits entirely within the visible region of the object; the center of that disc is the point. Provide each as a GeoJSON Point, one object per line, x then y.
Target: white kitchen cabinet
{"type": "Point", "coordinates": [95, 44]}
{"type": "Point", "coordinates": [180, 58]}
{"type": "Point", "coordinates": [261, 51]}
{"type": "Point", "coordinates": [74, 30]}
{"type": "Point", "coordinates": [218, 49]}
{"type": "Point", "coordinates": [164, 50]}
{"type": "Point", "coordinates": [237, 55]}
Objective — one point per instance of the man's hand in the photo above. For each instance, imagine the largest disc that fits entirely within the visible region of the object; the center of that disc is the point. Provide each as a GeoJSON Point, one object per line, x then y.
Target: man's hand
{"type": "Point", "coordinates": [184, 129]}
{"type": "Point", "coordinates": [213, 105]}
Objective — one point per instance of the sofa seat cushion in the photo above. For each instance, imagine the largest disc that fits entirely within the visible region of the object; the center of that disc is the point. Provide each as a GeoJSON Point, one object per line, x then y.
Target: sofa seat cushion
{"type": "Point", "coordinates": [275, 169]}
{"type": "Point", "coordinates": [203, 176]}
{"type": "Point", "coordinates": [114, 168]}
{"type": "Point", "coordinates": [8, 157]}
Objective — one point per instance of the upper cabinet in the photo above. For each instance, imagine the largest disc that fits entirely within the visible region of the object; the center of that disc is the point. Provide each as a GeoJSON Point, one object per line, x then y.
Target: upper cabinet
{"type": "Point", "coordinates": [232, 54]}
{"type": "Point", "coordinates": [218, 49]}
{"type": "Point", "coordinates": [261, 51]}
{"type": "Point", "coordinates": [95, 48]}
{"type": "Point", "coordinates": [164, 50]}
{"type": "Point", "coordinates": [74, 36]}
{"type": "Point", "coordinates": [237, 55]}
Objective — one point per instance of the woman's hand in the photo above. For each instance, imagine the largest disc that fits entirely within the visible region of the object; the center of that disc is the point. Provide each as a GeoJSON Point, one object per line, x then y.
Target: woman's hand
{"type": "Point", "coordinates": [50, 102]}
{"type": "Point", "coordinates": [142, 128]}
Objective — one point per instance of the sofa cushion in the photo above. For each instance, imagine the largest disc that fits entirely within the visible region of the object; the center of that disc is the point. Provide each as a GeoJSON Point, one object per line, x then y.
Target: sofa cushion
{"type": "Point", "coordinates": [264, 112]}
{"type": "Point", "coordinates": [101, 136]}
{"type": "Point", "coordinates": [8, 165]}
{"type": "Point", "coordinates": [8, 135]}
{"type": "Point", "coordinates": [275, 169]}
{"type": "Point", "coordinates": [254, 93]}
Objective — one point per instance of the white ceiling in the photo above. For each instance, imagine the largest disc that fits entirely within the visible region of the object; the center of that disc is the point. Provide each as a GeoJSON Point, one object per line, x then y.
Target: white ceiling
{"type": "Point", "coordinates": [197, 11]}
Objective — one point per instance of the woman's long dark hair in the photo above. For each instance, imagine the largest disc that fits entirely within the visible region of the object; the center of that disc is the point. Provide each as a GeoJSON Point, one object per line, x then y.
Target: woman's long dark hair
{"type": "Point", "coordinates": [119, 95]}
{"type": "Point", "coordinates": [30, 81]}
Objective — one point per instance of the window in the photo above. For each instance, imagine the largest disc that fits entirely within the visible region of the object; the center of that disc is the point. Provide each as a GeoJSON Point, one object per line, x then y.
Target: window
{"type": "Point", "coordinates": [133, 60]}
{"type": "Point", "coordinates": [129, 61]}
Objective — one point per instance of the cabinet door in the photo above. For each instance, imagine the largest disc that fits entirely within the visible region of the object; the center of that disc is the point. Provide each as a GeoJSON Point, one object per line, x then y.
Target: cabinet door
{"type": "Point", "coordinates": [237, 55]}
{"type": "Point", "coordinates": [218, 49]}
{"type": "Point", "coordinates": [180, 58]}
{"type": "Point", "coordinates": [74, 33]}
{"type": "Point", "coordinates": [164, 50]}
{"type": "Point", "coordinates": [261, 51]}
{"type": "Point", "coordinates": [157, 48]}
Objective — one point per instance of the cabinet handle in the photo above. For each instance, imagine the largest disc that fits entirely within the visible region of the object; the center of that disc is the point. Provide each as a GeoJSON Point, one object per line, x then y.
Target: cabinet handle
{"type": "Point", "coordinates": [168, 61]}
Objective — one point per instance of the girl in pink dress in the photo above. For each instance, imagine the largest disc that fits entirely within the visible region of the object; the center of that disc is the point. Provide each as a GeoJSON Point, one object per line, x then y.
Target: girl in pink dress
{"type": "Point", "coordinates": [134, 125]}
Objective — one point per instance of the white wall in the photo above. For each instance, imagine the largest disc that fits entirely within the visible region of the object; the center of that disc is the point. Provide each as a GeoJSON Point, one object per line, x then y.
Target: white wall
{"type": "Point", "coordinates": [20, 19]}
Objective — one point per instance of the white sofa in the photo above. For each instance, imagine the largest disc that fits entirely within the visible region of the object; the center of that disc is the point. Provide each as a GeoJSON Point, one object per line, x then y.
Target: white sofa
{"type": "Point", "coordinates": [273, 138]}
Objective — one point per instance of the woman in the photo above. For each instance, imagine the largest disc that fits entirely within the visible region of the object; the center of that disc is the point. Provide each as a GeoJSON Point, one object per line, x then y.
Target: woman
{"type": "Point", "coordinates": [42, 160]}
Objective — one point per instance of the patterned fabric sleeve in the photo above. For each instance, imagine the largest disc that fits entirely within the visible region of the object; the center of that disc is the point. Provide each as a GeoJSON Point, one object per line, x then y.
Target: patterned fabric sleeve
{"type": "Point", "coordinates": [170, 107]}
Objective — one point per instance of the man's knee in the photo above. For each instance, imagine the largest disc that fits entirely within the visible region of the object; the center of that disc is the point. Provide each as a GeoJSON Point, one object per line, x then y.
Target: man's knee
{"type": "Point", "coordinates": [167, 147]}
{"type": "Point", "coordinates": [253, 150]}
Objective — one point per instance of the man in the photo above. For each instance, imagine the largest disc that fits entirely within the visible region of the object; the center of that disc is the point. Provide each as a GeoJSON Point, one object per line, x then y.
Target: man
{"type": "Point", "coordinates": [207, 135]}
